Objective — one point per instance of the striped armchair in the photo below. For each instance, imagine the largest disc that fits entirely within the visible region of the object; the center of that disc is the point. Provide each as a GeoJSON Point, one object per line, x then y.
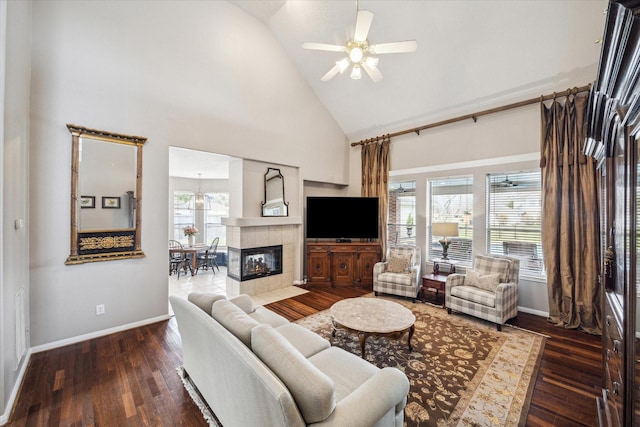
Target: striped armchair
{"type": "Point", "coordinates": [489, 290]}
{"type": "Point", "coordinates": [400, 273]}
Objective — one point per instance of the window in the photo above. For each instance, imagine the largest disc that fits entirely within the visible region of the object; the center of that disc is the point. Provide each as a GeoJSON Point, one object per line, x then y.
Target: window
{"type": "Point", "coordinates": [218, 209]}
{"type": "Point", "coordinates": [402, 213]}
{"type": "Point", "coordinates": [208, 220]}
{"type": "Point", "coordinates": [514, 212]}
{"type": "Point", "coordinates": [451, 200]}
{"type": "Point", "coordinates": [182, 215]}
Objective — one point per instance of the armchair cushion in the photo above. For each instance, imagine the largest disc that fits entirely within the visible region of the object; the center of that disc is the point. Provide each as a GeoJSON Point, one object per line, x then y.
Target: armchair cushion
{"type": "Point", "coordinates": [399, 263]}
{"type": "Point", "coordinates": [476, 295]}
{"type": "Point", "coordinates": [396, 278]}
{"type": "Point", "coordinates": [486, 265]}
{"type": "Point", "coordinates": [488, 282]}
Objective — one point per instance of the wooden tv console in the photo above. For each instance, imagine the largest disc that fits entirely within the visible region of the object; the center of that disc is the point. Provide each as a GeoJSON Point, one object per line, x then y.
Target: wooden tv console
{"type": "Point", "coordinates": [332, 264]}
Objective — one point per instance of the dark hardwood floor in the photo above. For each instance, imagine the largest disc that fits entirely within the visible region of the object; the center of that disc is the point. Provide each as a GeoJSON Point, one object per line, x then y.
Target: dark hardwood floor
{"type": "Point", "coordinates": [129, 378]}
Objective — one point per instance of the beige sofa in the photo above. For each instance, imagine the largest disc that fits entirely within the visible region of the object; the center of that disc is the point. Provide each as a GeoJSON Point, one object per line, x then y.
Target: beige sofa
{"type": "Point", "coordinates": [254, 368]}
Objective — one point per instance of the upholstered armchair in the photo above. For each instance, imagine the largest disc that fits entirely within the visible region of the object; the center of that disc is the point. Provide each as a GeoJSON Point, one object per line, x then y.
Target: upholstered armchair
{"type": "Point", "coordinates": [489, 290]}
{"type": "Point", "coordinates": [400, 273]}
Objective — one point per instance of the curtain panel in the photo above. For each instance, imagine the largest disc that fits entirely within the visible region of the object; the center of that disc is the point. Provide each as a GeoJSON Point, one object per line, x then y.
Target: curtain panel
{"type": "Point", "coordinates": [570, 217]}
{"type": "Point", "coordinates": [375, 180]}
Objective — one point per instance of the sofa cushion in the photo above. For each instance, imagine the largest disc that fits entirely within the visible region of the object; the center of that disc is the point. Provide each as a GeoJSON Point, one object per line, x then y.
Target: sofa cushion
{"type": "Point", "coordinates": [485, 265]}
{"type": "Point", "coordinates": [488, 282]}
{"type": "Point", "coordinates": [264, 315]}
{"type": "Point", "coordinates": [473, 294]}
{"type": "Point", "coordinates": [312, 390]}
{"type": "Point", "coordinates": [204, 300]}
{"type": "Point", "coordinates": [347, 370]}
{"type": "Point", "coordinates": [245, 302]}
{"type": "Point", "coordinates": [307, 342]}
{"type": "Point", "coordinates": [234, 320]}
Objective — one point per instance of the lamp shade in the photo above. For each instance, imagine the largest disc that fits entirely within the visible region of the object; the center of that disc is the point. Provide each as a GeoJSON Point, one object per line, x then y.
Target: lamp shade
{"type": "Point", "coordinates": [444, 229]}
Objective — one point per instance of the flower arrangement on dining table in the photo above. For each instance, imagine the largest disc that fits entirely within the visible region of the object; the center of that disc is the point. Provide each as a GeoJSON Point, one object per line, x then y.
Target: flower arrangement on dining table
{"type": "Point", "coordinates": [190, 231]}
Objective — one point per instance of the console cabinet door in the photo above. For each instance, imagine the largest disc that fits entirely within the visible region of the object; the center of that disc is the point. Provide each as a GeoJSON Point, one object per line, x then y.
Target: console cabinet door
{"type": "Point", "coordinates": [343, 268]}
{"type": "Point", "coordinates": [367, 258]}
{"type": "Point", "coordinates": [341, 264]}
{"type": "Point", "coordinates": [318, 266]}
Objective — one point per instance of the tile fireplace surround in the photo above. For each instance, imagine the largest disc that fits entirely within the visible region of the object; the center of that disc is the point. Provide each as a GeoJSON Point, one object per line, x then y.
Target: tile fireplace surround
{"type": "Point", "coordinates": [248, 233]}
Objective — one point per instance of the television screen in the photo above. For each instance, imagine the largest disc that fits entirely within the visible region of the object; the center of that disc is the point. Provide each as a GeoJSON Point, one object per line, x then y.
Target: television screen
{"type": "Point", "coordinates": [342, 217]}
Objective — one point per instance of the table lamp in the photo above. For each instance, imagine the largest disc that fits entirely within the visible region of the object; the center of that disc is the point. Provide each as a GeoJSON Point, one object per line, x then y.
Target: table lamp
{"type": "Point", "coordinates": [444, 230]}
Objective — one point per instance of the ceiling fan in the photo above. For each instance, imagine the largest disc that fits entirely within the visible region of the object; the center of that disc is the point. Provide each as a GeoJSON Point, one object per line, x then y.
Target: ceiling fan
{"type": "Point", "coordinates": [359, 50]}
{"type": "Point", "coordinates": [506, 183]}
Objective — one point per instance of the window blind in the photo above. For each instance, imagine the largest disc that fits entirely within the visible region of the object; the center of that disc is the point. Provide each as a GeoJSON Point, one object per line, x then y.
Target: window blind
{"type": "Point", "coordinates": [451, 200]}
{"type": "Point", "coordinates": [514, 213]}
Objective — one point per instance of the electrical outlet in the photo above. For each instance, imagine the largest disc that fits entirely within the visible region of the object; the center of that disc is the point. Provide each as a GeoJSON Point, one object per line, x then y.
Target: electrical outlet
{"type": "Point", "coordinates": [99, 309]}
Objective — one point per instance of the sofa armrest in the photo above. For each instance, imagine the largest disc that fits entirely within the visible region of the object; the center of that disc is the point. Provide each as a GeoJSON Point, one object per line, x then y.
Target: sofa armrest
{"type": "Point", "coordinates": [371, 401]}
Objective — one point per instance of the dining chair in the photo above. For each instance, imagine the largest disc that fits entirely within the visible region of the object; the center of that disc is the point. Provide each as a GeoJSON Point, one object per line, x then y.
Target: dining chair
{"type": "Point", "coordinates": [178, 260]}
{"type": "Point", "coordinates": [207, 258]}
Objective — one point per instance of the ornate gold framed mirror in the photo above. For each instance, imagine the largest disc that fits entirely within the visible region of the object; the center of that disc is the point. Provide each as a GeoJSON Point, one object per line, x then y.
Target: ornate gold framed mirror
{"type": "Point", "coordinates": [106, 195]}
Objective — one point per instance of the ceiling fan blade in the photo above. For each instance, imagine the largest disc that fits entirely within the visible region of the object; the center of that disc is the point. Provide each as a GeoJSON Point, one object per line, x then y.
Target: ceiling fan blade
{"type": "Point", "coordinates": [373, 72]}
{"type": "Point", "coordinates": [394, 47]}
{"type": "Point", "coordinates": [331, 73]}
{"type": "Point", "coordinates": [363, 23]}
{"type": "Point", "coordinates": [323, 46]}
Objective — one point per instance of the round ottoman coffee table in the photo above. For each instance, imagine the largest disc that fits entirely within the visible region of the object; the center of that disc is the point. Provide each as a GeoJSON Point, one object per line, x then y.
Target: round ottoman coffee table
{"type": "Point", "coordinates": [372, 316]}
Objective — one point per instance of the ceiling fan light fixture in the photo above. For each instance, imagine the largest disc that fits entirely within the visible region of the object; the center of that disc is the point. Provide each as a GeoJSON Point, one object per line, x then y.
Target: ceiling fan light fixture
{"type": "Point", "coordinates": [343, 64]}
{"type": "Point", "coordinates": [371, 61]}
{"type": "Point", "coordinates": [356, 73]}
{"type": "Point", "coordinates": [356, 54]}
{"type": "Point", "coordinates": [358, 49]}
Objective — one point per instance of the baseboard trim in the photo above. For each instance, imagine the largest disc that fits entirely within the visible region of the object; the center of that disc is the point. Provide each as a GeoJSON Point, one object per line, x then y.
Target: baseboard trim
{"type": "Point", "coordinates": [97, 334]}
{"type": "Point", "coordinates": [533, 311]}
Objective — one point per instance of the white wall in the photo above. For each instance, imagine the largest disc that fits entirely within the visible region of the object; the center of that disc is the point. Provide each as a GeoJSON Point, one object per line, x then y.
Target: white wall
{"type": "Point", "coordinates": [15, 28]}
{"type": "Point", "coordinates": [501, 142]}
{"type": "Point", "coordinates": [203, 75]}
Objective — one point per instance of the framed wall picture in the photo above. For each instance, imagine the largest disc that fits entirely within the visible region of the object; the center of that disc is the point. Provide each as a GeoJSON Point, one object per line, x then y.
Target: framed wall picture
{"type": "Point", "coordinates": [109, 202]}
{"type": "Point", "coordinates": [87, 202]}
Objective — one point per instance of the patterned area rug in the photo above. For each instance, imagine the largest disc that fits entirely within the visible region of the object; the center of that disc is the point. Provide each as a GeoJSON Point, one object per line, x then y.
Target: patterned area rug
{"type": "Point", "coordinates": [463, 372]}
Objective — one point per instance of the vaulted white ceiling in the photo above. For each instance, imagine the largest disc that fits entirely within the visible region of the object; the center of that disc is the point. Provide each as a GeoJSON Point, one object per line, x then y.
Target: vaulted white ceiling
{"type": "Point", "coordinates": [472, 55]}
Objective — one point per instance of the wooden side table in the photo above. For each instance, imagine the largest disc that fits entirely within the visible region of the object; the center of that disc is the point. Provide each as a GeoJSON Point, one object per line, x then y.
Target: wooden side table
{"type": "Point", "coordinates": [434, 282]}
{"type": "Point", "coordinates": [444, 266]}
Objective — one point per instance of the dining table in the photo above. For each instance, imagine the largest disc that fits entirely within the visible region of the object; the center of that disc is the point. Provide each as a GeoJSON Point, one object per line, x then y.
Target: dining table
{"type": "Point", "coordinates": [193, 251]}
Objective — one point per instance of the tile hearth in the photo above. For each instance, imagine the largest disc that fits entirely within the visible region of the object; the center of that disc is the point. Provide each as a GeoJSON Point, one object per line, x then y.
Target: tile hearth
{"type": "Point", "coordinates": [206, 281]}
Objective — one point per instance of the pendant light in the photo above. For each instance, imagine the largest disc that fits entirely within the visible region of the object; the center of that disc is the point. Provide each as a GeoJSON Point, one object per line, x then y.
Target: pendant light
{"type": "Point", "coordinates": [199, 201]}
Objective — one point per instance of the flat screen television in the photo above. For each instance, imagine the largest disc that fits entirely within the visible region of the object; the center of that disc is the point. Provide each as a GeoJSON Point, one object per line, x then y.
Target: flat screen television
{"type": "Point", "coordinates": [342, 218]}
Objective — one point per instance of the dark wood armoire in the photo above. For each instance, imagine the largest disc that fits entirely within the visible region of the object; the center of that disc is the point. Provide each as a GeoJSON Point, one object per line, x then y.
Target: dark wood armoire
{"type": "Point", "coordinates": [613, 131]}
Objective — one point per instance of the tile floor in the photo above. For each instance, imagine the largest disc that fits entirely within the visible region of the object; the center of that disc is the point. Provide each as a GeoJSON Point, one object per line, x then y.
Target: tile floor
{"type": "Point", "coordinates": [207, 281]}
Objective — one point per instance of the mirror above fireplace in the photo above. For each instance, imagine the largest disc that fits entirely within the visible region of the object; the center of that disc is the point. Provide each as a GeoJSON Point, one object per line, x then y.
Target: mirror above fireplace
{"type": "Point", "coordinates": [274, 204]}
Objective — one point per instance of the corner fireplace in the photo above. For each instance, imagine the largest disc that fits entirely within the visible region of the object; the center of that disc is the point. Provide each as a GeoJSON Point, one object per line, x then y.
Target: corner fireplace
{"type": "Point", "coordinates": [252, 263]}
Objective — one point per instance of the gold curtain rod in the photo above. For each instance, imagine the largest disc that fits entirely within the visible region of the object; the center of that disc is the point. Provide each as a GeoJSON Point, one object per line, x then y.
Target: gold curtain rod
{"type": "Point", "coordinates": [475, 116]}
